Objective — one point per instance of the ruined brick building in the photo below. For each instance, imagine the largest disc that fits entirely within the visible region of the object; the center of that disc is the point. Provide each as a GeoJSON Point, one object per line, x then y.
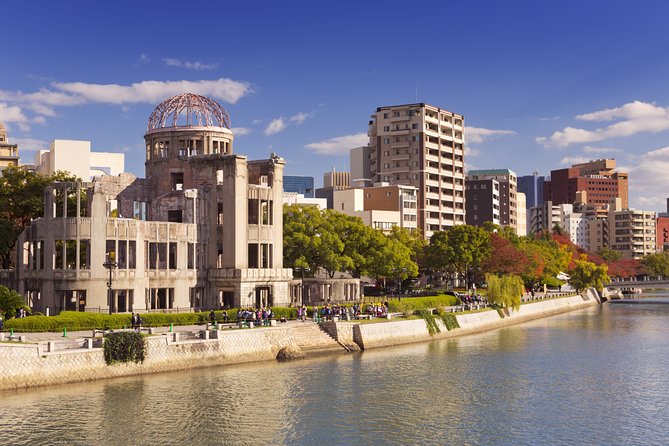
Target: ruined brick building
{"type": "Point", "coordinates": [202, 230]}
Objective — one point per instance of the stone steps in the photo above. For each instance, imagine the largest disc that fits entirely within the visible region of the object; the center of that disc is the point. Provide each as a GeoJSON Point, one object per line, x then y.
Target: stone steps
{"type": "Point", "coordinates": [312, 339]}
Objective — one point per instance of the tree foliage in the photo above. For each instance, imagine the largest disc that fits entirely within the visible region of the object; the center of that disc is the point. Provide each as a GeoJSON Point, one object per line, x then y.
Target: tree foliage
{"type": "Point", "coordinates": [505, 291]}
{"type": "Point", "coordinates": [21, 200]}
{"type": "Point", "coordinates": [586, 274]}
{"type": "Point", "coordinates": [656, 264]}
{"type": "Point", "coordinates": [609, 255]}
{"type": "Point", "coordinates": [10, 302]}
{"type": "Point", "coordinates": [459, 250]}
{"type": "Point", "coordinates": [333, 242]}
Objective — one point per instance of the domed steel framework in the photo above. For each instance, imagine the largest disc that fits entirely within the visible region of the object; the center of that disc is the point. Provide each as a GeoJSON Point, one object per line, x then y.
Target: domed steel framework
{"type": "Point", "coordinates": [197, 111]}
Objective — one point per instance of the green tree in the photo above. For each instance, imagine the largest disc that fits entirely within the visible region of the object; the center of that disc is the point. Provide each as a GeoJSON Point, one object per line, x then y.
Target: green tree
{"type": "Point", "coordinates": [505, 291]}
{"type": "Point", "coordinates": [461, 250]}
{"type": "Point", "coordinates": [21, 200]}
{"type": "Point", "coordinates": [586, 274]}
{"type": "Point", "coordinates": [656, 264]}
{"type": "Point", "coordinates": [10, 301]}
{"type": "Point", "coordinates": [609, 255]}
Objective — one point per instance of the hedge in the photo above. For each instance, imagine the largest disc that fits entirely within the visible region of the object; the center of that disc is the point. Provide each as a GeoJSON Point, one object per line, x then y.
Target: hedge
{"type": "Point", "coordinates": [75, 321]}
{"type": "Point", "coordinates": [410, 304]}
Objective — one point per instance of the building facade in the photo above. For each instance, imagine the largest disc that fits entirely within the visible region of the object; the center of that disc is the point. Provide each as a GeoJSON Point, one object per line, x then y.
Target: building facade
{"type": "Point", "coordinates": [203, 230]}
{"type": "Point", "coordinates": [482, 201]}
{"type": "Point", "coordinates": [381, 206]}
{"type": "Point", "coordinates": [77, 158]}
{"type": "Point", "coordinates": [422, 146]}
{"type": "Point", "coordinates": [597, 179]}
{"type": "Point", "coordinates": [299, 185]}
{"type": "Point", "coordinates": [9, 153]}
{"type": "Point", "coordinates": [508, 189]}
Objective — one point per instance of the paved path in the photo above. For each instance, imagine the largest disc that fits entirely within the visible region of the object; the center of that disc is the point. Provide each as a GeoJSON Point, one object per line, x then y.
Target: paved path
{"type": "Point", "coordinates": [71, 335]}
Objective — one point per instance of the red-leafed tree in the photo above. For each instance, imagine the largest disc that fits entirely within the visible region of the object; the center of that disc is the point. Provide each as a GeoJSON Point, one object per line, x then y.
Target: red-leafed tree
{"type": "Point", "coordinates": [505, 258]}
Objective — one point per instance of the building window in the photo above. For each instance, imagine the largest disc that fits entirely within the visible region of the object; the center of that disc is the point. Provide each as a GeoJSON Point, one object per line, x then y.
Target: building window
{"type": "Point", "coordinates": [253, 255]}
{"type": "Point", "coordinates": [177, 179]}
{"type": "Point", "coordinates": [385, 116]}
{"type": "Point", "coordinates": [175, 216]}
{"type": "Point", "coordinates": [139, 210]}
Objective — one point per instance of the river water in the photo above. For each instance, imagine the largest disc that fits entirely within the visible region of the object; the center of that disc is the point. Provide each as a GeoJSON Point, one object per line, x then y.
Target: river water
{"type": "Point", "coordinates": [598, 376]}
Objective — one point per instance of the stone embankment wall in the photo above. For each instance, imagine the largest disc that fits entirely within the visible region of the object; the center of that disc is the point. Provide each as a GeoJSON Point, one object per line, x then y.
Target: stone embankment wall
{"type": "Point", "coordinates": [374, 335]}
{"type": "Point", "coordinates": [29, 365]}
{"type": "Point", "coordinates": [32, 365]}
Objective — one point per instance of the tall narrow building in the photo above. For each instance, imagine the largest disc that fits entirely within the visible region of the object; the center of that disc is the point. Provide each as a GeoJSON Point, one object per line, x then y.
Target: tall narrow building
{"type": "Point", "coordinates": [507, 199]}
{"type": "Point", "coordinates": [422, 146]}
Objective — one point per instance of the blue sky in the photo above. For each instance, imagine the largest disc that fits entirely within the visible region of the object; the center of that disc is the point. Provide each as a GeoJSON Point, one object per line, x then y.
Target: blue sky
{"type": "Point", "coordinates": [541, 84]}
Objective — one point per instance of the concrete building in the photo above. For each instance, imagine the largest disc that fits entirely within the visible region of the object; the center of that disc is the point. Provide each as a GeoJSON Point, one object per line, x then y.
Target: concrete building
{"type": "Point", "coordinates": [576, 225]}
{"type": "Point", "coordinates": [631, 232]}
{"type": "Point", "coordinates": [422, 146]}
{"type": "Point", "coordinates": [597, 179]}
{"type": "Point", "coordinates": [360, 159]}
{"type": "Point", "coordinates": [533, 188]}
{"type": "Point", "coordinates": [381, 206]}
{"type": "Point", "coordinates": [333, 181]}
{"type": "Point", "coordinates": [299, 185]}
{"type": "Point", "coordinates": [9, 153]}
{"type": "Point", "coordinates": [77, 158]}
{"type": "Point", "coordinates": [522, 214]}
{"type": "Point", "coordinates": [482, 201]}
{"type": "Point", "coordinates": [544, 218]}
{"type": "Point", "coordinates": [598, 234]}
{"type": "Point", "coordinates": [662, 230]}
{"type": "Point", "coordinates": [508, 189]}
{"type": "Point", "coordinates": [291, 198]}
{"type": "Point", "coordinates": [203, 230]}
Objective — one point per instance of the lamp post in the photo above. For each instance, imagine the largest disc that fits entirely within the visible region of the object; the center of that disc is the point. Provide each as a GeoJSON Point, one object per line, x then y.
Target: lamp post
{"type": "Point", "coordinates": [399, 280]}
{"type": "Point", "coordinates": [110, 265]}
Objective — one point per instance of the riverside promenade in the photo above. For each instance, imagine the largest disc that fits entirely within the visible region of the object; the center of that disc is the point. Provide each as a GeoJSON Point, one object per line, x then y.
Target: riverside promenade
{"type": "Point", "coordinates": [48, 358]}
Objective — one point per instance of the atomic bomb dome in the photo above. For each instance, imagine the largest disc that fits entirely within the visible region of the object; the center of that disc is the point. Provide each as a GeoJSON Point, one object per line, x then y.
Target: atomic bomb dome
{"type": "Point", "coordinates": [191, 109]}
{"type": "Point", "coordinates": [186, 125]}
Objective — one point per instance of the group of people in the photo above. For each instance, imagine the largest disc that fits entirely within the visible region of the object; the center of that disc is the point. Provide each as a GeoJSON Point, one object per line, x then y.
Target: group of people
{"type": "Point", "coordinates": [329, 312]}
{"type": "Point", "coordinates": [256, 316]}
{"type": "Point", "coordinates": [136, 321]}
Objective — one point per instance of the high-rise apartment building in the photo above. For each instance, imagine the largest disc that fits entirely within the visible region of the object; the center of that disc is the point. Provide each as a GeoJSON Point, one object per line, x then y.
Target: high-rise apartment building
{"type": "Point", "coordinates": [422, 146]}
{"type": "Point", "coordinates": [631, 232]}
{"type": "Point", "coordinates": [482, 201]}
{"type": "Point", "coordinates": [597, 179]}
{"type": "Point", "coordinates": [508, 189]}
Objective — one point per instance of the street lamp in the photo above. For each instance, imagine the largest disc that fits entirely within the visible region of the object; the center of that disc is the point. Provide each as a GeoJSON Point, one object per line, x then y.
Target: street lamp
{"type": "Point", "coordinates": [399, 279]}
{"type": "Point", "coordinates": [110, 265]}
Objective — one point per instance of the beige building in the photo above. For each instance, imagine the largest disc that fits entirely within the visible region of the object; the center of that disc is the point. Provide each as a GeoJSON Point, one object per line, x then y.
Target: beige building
{"type": "Point", "coordinates": [631, 232]}
{"type": "Point", "coordinates": [77, 158]}
{"type": "Point", "coordinates": [9, 153]}
{"type": "Point", "coordinates": [381, 206]}
{"type": "Point", "coordinates": [360, 159]}
{"type": "Point", "coordinates": [291, 198]}
{"type": "Point", "coordinates": [203, 230]}
{"type": "Point", "coordinates": [521, 210]}
{"type": "Point", "coordinates": [422, 146]}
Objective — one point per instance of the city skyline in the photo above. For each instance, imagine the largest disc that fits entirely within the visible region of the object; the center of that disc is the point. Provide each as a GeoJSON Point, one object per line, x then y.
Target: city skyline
{"type": "Point", "coordinates": [541, 86]}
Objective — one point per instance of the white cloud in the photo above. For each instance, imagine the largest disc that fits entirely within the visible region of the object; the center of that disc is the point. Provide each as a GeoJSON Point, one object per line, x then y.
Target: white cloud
{"type": "Point", "coordinates": [29, 144]}
{"type": "Point", "coordinates": [280, 124]}
{"type": "Point", "coordinates": [341, 145]}
{"type": "Point", "coordinates": [470, 151]}
{"type": "Point", "coordinates": [12, 113]}
{"type": "Point", "coordinates": [600, 150]}
{"type": "Point", "coordinates": [648, 180]}
{"type": "Point", "coordinates": [198, 66]}
{"type": "Point", "coordinates": [634, 117]}
{"type": "Point", "coordinates": [477, 135]}
{"type": "Point", "coordinates": [240, 131]}
{"type": "Point", "coordinates": [569, 160]}
{"type": "Point", "coordinates": [299, 118]}
{"type": "Point", "coordinates": [39, 120]}
{"type": "Point", "coordinates": [277, 125]}
{"type": "Point", "coordinates": [143, 58]}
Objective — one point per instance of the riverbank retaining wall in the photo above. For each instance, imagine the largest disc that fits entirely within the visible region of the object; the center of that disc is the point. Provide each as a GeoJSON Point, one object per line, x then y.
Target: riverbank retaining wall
{"type": "Point", "coordinates": [30, 365]}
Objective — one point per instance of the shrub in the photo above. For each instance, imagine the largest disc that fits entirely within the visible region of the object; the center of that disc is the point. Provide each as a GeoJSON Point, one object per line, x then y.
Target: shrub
{"type": "Point", "coordinates": [430, 321]}
{"type": "Point", "coordinates": [450, 321]}
{"type": "Point", "coordinates": [410, 304]}
{"type": "Point", "coordinates": [124, 347]}
{"type": "Point", "coordinates": [10, 302]}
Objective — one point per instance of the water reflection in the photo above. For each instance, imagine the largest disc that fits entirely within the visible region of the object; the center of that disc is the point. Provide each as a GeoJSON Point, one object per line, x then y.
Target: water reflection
{"type": "Point", "coordinates": [594, 376]}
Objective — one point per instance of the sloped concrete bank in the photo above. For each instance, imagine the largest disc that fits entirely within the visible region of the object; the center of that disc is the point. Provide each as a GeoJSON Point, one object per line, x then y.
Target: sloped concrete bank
{"type": "Point", "coordinates": [31, 365]}
{"type": "Point", "coordinates": [408, 331]}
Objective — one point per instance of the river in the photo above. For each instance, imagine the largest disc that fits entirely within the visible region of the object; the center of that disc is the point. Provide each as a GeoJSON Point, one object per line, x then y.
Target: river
{"type": "Point", "coordinates": [597, 376]}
